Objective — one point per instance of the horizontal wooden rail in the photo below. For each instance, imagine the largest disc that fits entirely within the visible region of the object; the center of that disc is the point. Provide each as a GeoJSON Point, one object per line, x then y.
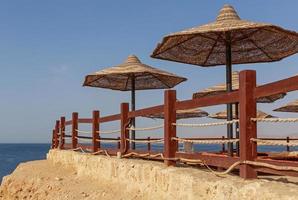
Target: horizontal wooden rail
{"type": "Point", "coordinates": [146, 111]}
{"type": "Point", "coordinates": [85, 120]}
{"type": "Point", "coordinates": [231, 97]}
{"type": "Point", "coordinates": [69, 122]}
{"type": "Point", "coordinates": [282, 86]}
{"type": "Point", "coordinates": [110, 118]}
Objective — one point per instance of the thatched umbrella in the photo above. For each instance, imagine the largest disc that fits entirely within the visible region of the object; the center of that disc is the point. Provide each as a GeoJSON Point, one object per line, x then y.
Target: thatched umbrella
{"type": "Point", "coordinates": [229, 40]}
{"type": "Point", "coordinates": [221, 88]}
{"type": "Point", "coordinates": [183, 114]}
{"type": "Point", "coordinates": [223, 115]}
{"type": "Point", "coordinates": [130, 76]}
{"type": "Point", "coordinates": [290, 107]}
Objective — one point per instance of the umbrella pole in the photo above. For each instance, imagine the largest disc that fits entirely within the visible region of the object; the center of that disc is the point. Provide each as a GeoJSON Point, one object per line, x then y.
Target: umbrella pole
{"type": "Point", "coordinates": [133, 108]}
{"type": "Point", "coordinates": [229, 89]}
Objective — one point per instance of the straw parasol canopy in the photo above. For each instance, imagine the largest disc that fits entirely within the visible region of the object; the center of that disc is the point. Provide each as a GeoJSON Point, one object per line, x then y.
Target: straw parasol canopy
{"type": "Point", "coordinates": [290, 107]}
{"type": "Point", "coordinates": [121, 77]}
{"type": "Point", "coordinates": [223, 115]}
{"type": "Point", "coordinates": [226, 41]}
{"type": "Point", "coordinates": [132, 75]}
{"type": "Point", "coordinates": [221, 88]}
{"type": "Point", "coordinates": [183, 114]}
{"type": "Point", "coordinates": [251, 42]}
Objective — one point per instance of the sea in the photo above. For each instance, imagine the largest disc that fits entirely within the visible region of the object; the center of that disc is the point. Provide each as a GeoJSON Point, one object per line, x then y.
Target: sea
{"type": "Point", "coordinates": [13, 154]}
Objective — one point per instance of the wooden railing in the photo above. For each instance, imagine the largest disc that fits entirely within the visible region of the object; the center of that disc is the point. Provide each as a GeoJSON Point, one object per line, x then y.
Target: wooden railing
{"type": "Point", "coordinates": [246, 97]}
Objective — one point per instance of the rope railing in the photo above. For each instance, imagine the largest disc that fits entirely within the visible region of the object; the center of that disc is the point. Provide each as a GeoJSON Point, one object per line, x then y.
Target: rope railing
{"type": "Point", "coordinates": [108, 141]}
{"type": "Point", "coordinates": [275, 119]}
{"type": "Point", "coordinates": [84, 139]}
{"type": "Point", "coordinates": [206, 124]}
{"type": "Point", "coordinates": [268, 142]}
{"type": "Point", "coordinates": [198, 141]}
{"type": "Point", "coordinates": [146, 128]}
{"type": "Point", "coordinates": [85, 132]}
{"type": "Point", "coordinates": [146, 141]}
{"type": "Point", "coordinates": [109, 132]}
{"type": "Point", "coordinates": [142, 155]}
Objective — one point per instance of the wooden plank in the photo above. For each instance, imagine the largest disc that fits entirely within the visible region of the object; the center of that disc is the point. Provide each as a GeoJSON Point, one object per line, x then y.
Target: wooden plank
{"type": "Point", "coordinates": [211, 159]}
{"type": "Point", "coordinates": [85, 120]}
{"type": "Point", "coordinates": [146, 111]}
{"type": "Point", "coordinates": [110, 118]}
{"type": "Point", "coordinates": [62, 131]}
{"type": "Point", "coordinates": [282, 86]}
{"type": "Point", "coordinates": [124, 124]}
{"type": "Point", "coordinates": [69, 122]}
{"type": "Point", "coordinates": [231, 97]}
{"type": "Point", "coordinates": [95, 131]}
{"type": "Point", "coordinates": [57, 127]}
{"type": "Point", "coordinates": [248, 128]}
{"type": "Point", "coordinates": [74, 128]}
{"type": "Point", "coordinates": [170, 146]}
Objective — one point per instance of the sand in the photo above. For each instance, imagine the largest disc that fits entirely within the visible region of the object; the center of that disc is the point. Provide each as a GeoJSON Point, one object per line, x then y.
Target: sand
{"type": "Point", "coordinates": [71, 175]}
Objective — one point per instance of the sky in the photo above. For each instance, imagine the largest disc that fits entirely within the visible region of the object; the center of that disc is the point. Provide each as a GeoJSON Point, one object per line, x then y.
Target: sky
{"type": "Point", "coordinates": [47, 47]}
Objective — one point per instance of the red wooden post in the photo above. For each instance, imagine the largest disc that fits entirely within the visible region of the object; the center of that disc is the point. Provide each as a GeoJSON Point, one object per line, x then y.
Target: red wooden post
{"type": "Point", "coordinates": [62, 132]}
{"type": "Point", "coordinates": [118, 143]}
{"type": "Point", "coordinates": [57, 126]}
{"type": "Point", "coordinates": [248, 128]}
{"type": "Point", "coordinates": [170, 146]}
{"type": "Point", "coordinates": [75, 124]}
{"type": "Point", "coordinates": [53, 139]}
{"type": "Point", "coordinates": [124, 145]}
{"type": "Point", "coordinates": [95, 131]}
{"type": "Point", "coordinates": [148, 144]}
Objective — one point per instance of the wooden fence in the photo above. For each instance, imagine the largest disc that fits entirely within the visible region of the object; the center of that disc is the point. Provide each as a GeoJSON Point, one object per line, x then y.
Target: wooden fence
{"type": "Point", "coordinates": [246, 97]}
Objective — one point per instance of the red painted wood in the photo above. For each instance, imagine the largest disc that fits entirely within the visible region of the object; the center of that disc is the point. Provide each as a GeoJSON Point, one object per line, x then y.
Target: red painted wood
{"type": "Point", "coordinates": [110, 118]}
{"type": "Point", "coordinates": [75, 124]}
{"type": "Point", "coordinates": [67, 123]}
{"type": "Point", "coordinates": [124, 124]}
{"type": "Point", "coordinates": [146, 111]}
{"type": "Point", "coordinates": [95, 131]}
{"type": "Point", "coordinates": [282, 86]}
{"type": "Point", "coordinates": [85, 120]}
{"type": "Point", "coordinates": [57, 127]}
{"type": "Point", "coordinates": [53, 139]}
{"type": "Point", "coordinates": [248, 129]}
{"type": "Point", "coordinates": [62, 132]}
{"type": "Point", "coordinates": [231, 97]}
{"type": "Point", "coordinates": [211, 159]}
{"type": "Point", "coordinates": [170, 146]}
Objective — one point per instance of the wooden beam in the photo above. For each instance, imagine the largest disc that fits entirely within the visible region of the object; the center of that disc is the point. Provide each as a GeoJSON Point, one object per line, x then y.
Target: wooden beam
{"type": "Point", "coordinates": [170, 146]}
{"type": "Point", "coordinates": [231, 97]}
{"type": "Point", "coordinates": [95, 131]}
{"type": "Point", "coordinates": [75, 124]}
{"type": "Point", "coordinates": [62, 132]}
{"type": "Point", "coordinates": [248, 110]}
{"type": "Point", "coordinates": [124, 124]}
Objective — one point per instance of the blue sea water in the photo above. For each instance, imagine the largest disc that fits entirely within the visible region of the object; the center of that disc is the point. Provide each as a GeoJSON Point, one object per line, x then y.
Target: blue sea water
{"type": "Point", "coordinates": [13, 154]}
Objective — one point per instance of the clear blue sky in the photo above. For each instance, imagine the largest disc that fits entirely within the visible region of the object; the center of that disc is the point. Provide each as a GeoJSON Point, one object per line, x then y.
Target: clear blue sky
{"type": "Point", "coordinates": [47, 47]}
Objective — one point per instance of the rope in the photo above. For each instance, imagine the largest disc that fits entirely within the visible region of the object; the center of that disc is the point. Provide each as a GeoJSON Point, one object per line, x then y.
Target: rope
{"type": "Point", "coordinates": [110, 141]}
{"type": "Point", "coordinates": [84, 139]}
{"type": "Point", "coordinates": [86, 132]}
{"type": "Point", "coordinates": [79, 148]}
{"type": "Point", "coordinates": [109, 132]}
{"type": "Point", "coordinates": [198, 141]}
{"type": "Point", "coordinates": [274, 119]}
{"type": "Point", "coordinates": [207, 124]}
{"type": "Point", "coordinates": [273, 142]}
{"type": "Point", "coordinates": [131, 154]}
{"type": "Point", "coordinates": [145, 141]}
{"type": "Point", "coordinates": [145, 129]}
{"type": "Point", "coordinates": [101, 151]}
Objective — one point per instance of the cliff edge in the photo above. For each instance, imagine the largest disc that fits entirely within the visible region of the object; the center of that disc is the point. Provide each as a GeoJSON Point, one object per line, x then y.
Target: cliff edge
{"type": "Point", "coordinates": [72, 175]}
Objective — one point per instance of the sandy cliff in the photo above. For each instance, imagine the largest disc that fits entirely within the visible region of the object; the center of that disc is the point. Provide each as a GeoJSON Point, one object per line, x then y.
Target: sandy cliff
{"type": "Point", "coordinates": [72, 175]}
